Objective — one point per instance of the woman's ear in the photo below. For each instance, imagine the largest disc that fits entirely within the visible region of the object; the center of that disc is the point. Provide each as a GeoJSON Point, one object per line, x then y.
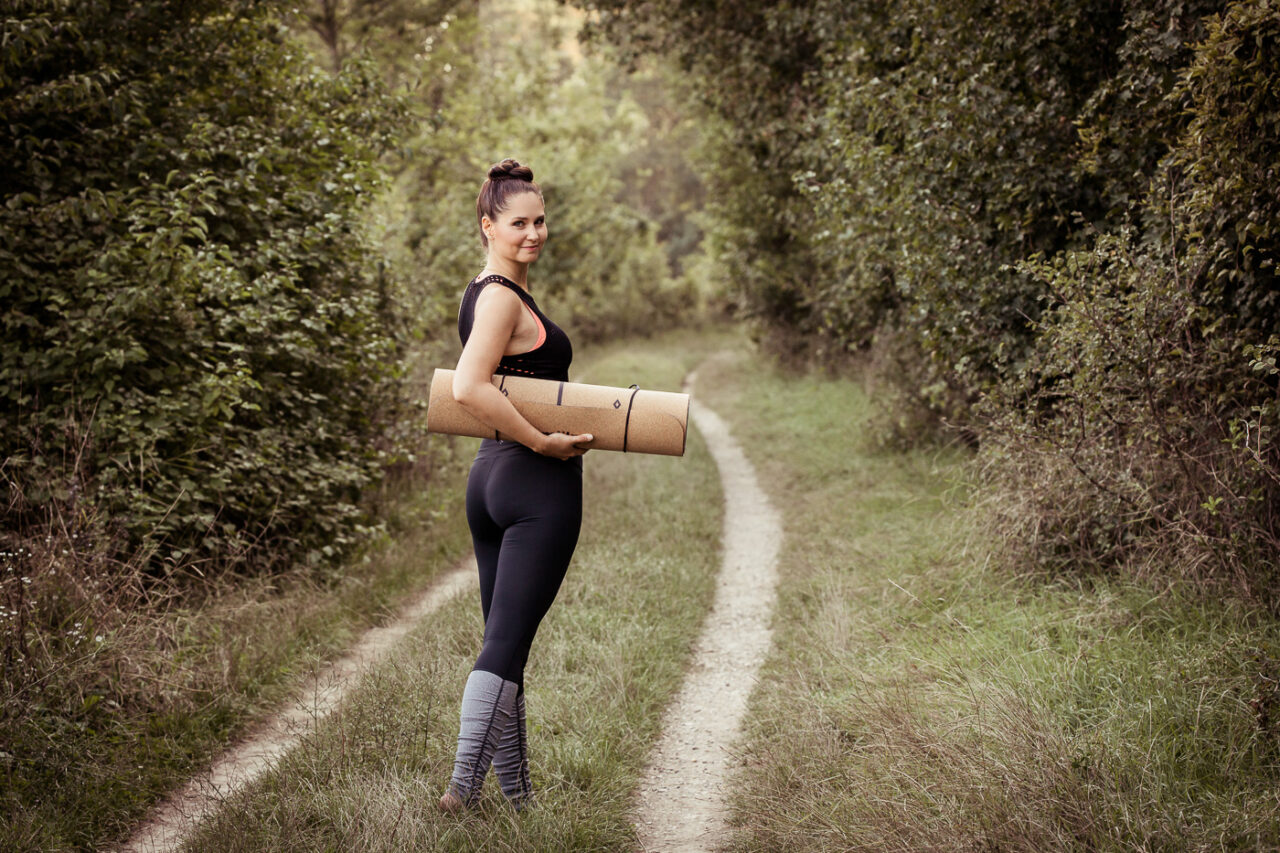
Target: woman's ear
{"type": "Point", "coordinates": [486, 225]}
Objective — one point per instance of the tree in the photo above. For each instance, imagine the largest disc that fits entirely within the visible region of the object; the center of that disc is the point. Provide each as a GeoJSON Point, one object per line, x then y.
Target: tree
{"type": "Point", "coordinates": [393, 29]}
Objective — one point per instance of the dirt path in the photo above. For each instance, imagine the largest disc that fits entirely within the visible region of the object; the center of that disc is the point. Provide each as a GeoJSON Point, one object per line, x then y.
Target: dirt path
{"type": "Point", "coordinates": [682, 798]}
{"type": "Point", "coordinates": [174, 819]}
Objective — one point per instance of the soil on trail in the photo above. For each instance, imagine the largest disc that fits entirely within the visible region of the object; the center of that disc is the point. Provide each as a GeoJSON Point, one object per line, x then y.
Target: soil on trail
{"type": "Point", "coordinates": [682, 800]}
{"type": "Point", "coordinates": [175, 818]}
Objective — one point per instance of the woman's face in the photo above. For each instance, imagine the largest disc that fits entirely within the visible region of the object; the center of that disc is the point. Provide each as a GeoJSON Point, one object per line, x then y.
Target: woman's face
{"type": "Point", "coordinates": [520, 230]}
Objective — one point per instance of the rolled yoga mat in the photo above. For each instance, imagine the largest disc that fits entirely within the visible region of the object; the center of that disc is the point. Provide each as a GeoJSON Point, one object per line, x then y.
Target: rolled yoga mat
{"type": "Point", "coordinates": [632, 420]}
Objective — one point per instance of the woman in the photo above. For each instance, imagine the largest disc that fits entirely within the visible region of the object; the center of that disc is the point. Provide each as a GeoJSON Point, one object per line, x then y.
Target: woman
{"type": "Point", "coordinates": [524, 496]}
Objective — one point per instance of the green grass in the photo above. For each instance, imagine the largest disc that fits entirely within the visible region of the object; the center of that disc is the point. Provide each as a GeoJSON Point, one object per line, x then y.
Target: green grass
{"type": "Point", "coordinates": [115, 724]}
{"type": "Point", "coordinates": [607, 659]}
{"type": "Point", "coordinates": [920, 698]}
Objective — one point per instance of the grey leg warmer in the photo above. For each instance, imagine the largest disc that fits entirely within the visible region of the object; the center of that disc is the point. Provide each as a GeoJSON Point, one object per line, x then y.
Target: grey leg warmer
{"type": "Point", "coordinates": [511, 761]}
{"type": "Point", "coordinates": [488, 709]}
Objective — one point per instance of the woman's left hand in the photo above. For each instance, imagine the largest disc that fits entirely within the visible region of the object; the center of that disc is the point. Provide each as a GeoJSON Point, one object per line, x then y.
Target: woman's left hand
{"type": "Point", "coordinates": [564, 446]}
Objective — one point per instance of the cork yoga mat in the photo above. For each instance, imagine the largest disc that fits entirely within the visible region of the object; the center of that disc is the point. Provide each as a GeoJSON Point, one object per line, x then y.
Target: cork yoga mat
{"type": "Point", "coordinates": [632, 420]}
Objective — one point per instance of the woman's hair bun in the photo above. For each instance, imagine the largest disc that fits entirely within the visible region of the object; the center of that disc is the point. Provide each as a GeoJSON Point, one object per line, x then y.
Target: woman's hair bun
{"type": "Point", "coordinates": [510, 169]}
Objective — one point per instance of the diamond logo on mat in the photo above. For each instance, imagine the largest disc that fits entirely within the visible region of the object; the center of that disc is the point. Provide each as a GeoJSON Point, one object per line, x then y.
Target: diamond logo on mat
{"type": "Point", "coordinates": [617, 404]}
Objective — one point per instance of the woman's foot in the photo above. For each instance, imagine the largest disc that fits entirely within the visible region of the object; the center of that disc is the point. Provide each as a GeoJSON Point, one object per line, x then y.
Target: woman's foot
{"type": "Point", "coordinates": [451, 803]}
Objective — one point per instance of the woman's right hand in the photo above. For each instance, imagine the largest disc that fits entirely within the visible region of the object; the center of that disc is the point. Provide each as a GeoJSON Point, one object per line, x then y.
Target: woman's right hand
{"type": "Point", "coordinates": [564, 446]}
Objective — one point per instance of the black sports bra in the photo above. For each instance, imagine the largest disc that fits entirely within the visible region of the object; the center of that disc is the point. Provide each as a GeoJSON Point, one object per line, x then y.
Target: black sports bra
{"type": "Point", "coordinates": [549, 358]}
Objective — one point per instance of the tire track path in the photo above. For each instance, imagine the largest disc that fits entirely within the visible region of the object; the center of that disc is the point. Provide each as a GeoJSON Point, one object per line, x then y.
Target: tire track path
{"type": "Point", "coordinates": [173, 821]}
{"type": "Point", "coordinates": [682, 804]}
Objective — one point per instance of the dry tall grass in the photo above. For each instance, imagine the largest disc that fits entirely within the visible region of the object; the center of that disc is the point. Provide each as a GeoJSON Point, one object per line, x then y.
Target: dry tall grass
{"type": "Point", "coordinates": [117, 682]}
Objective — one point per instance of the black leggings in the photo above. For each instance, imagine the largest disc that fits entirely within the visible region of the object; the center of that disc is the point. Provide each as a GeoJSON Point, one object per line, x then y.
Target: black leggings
{"type": "Point", "coordinates": [524, 510]}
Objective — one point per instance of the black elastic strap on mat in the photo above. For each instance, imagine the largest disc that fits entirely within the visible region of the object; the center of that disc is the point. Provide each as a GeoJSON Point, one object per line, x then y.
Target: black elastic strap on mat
{"type": "Point", "coordinates": [626, 429]}
{"type": "Point", "coordinates": [501, 387]}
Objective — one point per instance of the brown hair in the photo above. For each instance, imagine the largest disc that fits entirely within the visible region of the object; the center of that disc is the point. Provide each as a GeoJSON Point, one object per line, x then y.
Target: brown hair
{"type": "Point", "coordinates": [506, 179]}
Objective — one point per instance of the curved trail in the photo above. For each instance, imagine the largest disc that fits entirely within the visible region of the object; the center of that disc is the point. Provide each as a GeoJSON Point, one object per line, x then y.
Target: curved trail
{"type": "Point", "coordinates": [175, 818]}
{"type": "Point", "coordinates": [682, 798]}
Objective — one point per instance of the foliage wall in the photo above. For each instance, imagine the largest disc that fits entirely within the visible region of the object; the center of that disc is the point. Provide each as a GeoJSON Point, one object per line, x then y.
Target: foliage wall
{"type": "Point", "coordinates": [198, 350]}
{"type": "Point", "coordinates": [1052, 224]}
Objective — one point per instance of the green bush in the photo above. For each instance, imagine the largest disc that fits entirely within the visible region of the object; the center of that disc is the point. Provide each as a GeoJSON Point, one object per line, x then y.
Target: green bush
{"type": "Point", "coordinates": [887, 169]}
{"type": "Point", "coordinates": [1226, 163]}
{"type": "Point", "coordinates": [1143, 433]}
{"type": "Point", "coordinates": [197, 342]}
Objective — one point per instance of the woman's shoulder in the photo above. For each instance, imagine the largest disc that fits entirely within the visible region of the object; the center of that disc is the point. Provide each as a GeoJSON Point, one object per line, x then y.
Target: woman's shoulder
{"type": "Point", "coordinates": [501, 298]}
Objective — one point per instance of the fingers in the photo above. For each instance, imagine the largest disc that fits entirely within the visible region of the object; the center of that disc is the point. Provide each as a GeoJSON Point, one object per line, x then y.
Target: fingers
{"type": "Point", "coordinates": [568, 446]}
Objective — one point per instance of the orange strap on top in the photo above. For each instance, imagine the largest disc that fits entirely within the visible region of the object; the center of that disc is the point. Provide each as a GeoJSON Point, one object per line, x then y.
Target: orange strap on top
{"type": "Point", "coordinates": [542, 330]}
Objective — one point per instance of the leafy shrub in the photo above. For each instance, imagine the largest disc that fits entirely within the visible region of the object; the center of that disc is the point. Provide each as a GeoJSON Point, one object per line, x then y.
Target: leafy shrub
{"type": "Point", "coordinates": [1113, 453]}
{"type": "Point", "coordinates": [887, 168]}
{"type": "Point", "coordinates": [195, 333]}
{"type": "Point", "coordinates": [1053, 224]}
{"type": "Point", "coordinates": [1143, 432]}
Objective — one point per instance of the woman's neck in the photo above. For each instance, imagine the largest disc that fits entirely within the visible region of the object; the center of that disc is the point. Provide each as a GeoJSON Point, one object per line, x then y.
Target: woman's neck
{"type": "Point", "coordinates": [513, 270]}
